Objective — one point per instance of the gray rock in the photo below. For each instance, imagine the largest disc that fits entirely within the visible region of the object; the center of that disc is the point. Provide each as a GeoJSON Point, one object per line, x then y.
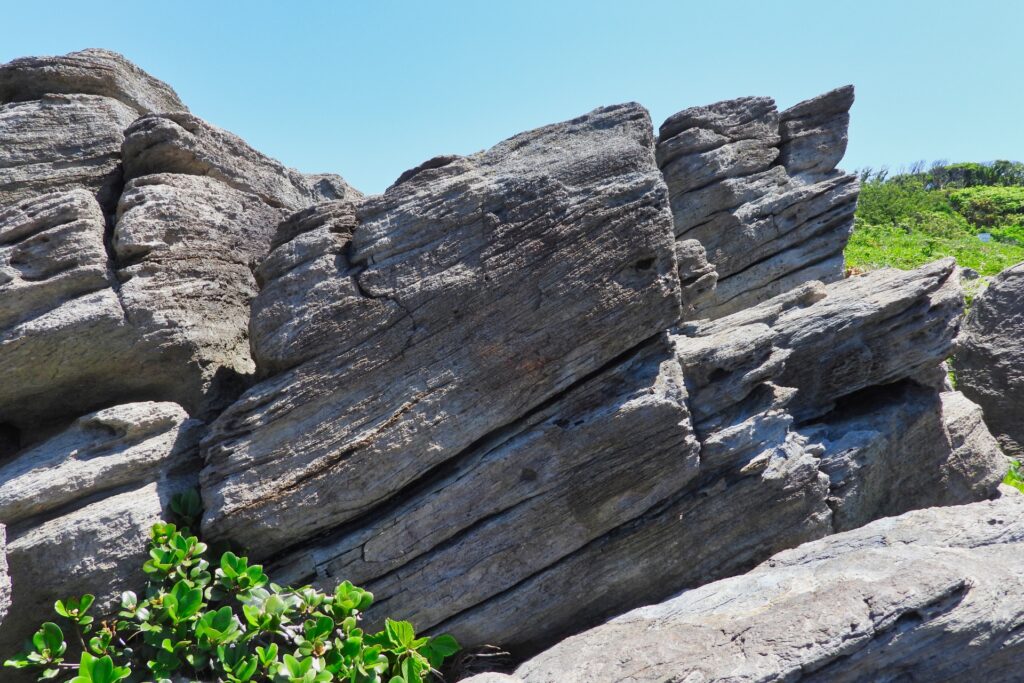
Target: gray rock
{"type": "Point", "coordinates": [185, 144]}
{"type": "Point", "coordinates": [471, 293]}
{"type": "Point", "coordinates": [923, 596]}
{"type": "Point", "coordinates": [65, 347]}
{"type": "Point", "coordinates": [890, 449]}
{"type": "Point", "coordinates": [814, 133]}
{"type": "Point", "coordinates": [87, 72]}
{"type": "Point", "coordinates": [78, 507]}
{"type": "Point", "coordinates": [769, 220]}
{"type": "Point", "coordinates": [989, 354]}
{"type": "Point", "coordinates": [104, 451]}
{"type": "Point", "coordinates": [624, 444]}
{"type": "Point", "coordinates": [62, 142]}
{"type": "Point", "coordinates": [5, 577]}
{"type": "Point", "coordinates": [185, 247]}
{"type": "Point", "coordinates": [97, 549]}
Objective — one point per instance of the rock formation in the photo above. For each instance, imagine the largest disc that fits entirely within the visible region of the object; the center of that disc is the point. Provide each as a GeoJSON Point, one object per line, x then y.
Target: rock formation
{"type": "Point", "coordinates": [924, 596]}
{"type": "Point", "coordinates": [517, 394]}
{"type": "Point", "coordinates": [989, 357]}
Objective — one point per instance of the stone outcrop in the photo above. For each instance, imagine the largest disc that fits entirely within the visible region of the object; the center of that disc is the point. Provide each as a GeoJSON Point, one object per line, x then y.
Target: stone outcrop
{"type": "Point", "coordinates": [87, 72]}
{"type": "Point", "coordinates": [757, 191]}
{"type": "Point", "coordinates": [468, 295]}
{"type": "Point", "coordinates": [518, 394]}
{"type": "Point", "coordinates": [924, 596]}
{"type": "Point", "coordinates": [78, 507]}
{"type": "Point", "coordinates": [183, 143]}
{"type": "Point", "coordinates": [989, 356]}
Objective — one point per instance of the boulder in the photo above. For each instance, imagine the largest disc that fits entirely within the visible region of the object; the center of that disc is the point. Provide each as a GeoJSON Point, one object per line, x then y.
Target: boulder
{"type": "Point", "coordinates": [814, 133]}
{"type": "Point", "coordinates": [86, 72]}
{"type": "Point", "coordinates": [467, 296]}
{"type": "Point", "coordinates": [185, 144]}
{"type": "Point", "coordinates": [989, 355]}
{"type": "Point", "coordinates": [62, 142]}
{"type": "Point", "coordinates": [923, 596]}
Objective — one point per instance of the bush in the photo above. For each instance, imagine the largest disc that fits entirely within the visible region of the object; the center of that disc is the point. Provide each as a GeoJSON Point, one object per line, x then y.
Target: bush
{"type": "Point", "coordinates": [230, 626]}
{"type": "Point", "coordinates": [990, 206]}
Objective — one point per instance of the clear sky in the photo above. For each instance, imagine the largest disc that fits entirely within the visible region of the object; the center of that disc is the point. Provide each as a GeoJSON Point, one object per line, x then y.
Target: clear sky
{"type": "Point", "coordinates": [370, 88]}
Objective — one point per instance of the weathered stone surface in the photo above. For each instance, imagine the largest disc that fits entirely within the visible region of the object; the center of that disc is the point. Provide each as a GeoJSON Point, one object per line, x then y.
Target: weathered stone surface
{"type": "Point", "coordinates": [5, 577]}
{"type": "Point", "coordinates": [103, 451]}
{"type": "Point", "coordinates": [764, 230]}
{"type": "Point", "coordinates": [892, 449]}
{"type": "Point", "coordinates": [62, 142]}
{"type": "Point", "coordinates": [86, 72]}
{"type": "Point", "coordinates": [78, 507]}
{"type": "Point", "coordinates": [185, 247]}
{"type": "Point", "coordinates": [814, 133]}
{"type": "Point", "coordinates": [472, 293]}
{"type": "Point", "coordinates": [65, 347]}
{"type": "Point", "coordinates": [508, 509]}
{"type": "Point", "coordinates": [185, 144]}
{"type": "Point", "coordinates": [989, 360]}
{"type": "Point", "coordinates": [97, 549]}
{"type": "Point", "coordinates": [924, 596]}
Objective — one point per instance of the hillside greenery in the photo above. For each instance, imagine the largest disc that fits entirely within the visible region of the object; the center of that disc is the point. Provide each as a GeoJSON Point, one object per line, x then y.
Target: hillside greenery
{"type": "Point", "coordinates": [972, 211]}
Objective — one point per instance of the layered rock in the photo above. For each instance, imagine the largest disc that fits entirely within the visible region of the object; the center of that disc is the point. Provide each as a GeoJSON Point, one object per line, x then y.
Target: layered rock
{"type": "Point", "coordinates": [989, 354]}
{"type": "Point", "coordinates": [924, 596]}
{"type": "Point", "coordinates": [65, 347]}
{"type": "Point", "coordinates": [87, 72]}
{"type": "Point", "coordinates": [466, 296]}
{"type": "Point", "coordinates": [757, 190]}
{"type": "Point", "coordinates": [183, 143]}
{"type": "Point", "coordinates": [78, 507]}
{"type": "Point", "coordinates": [62, 142]}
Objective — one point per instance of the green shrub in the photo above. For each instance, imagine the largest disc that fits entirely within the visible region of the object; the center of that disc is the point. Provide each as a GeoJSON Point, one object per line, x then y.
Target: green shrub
{"type": "Point", "coordinates": [230, 625]}
{"type": "Point", "coordinates": [990, 206]}
{"type": "Point", "coordinates": [1014, 477]}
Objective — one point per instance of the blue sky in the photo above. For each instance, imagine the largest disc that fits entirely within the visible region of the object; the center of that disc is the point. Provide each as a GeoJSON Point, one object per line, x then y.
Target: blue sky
{"type": "Point", "coordinates": [369, 89]}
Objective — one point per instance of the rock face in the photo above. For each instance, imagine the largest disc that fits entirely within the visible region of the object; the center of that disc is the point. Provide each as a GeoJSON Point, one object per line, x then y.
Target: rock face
{"type": "Point", "coordinates": [757, 191]}
{"type": "Point", "coordinates": [78, 506]}
{"type": "Point", "coordinates": [467, 296]}
{"type": "Point", "coordinates": [988, 357]}
{"type": "Point", "coordinates": [518, 394]}
{"type": "Point", "coordinates": [924, 596]}
{"type": "Point", "coordinates": [89, 72]}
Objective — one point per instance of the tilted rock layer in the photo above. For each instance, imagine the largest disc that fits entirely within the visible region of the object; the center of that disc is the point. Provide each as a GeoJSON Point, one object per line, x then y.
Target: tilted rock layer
{"type": "Point", "coordinates": [517, 394]}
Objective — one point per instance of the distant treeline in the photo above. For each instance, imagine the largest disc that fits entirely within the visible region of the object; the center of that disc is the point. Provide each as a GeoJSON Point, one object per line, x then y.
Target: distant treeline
{"type": "Point", "coordinates": [973, 211]}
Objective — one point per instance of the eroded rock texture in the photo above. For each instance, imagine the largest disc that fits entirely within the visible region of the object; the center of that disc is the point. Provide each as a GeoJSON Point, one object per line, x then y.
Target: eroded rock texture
{"type": "Point", "coordinates": [518, 394]}
{"type": "Point", "coordinates": [924, 596]}
{"type": "Point", "coordinates": [468, 295]}
{"type": "Point", "coordinates": [78, 507]}
{"type": "Point", "coordinates": [989, 355]}
{"type": "Point", "coordinates": [758, 192]}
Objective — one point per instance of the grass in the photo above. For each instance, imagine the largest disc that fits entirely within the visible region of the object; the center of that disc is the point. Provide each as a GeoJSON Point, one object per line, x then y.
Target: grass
{"type": "Point", "coordinates": [886, 246]}
{"type": "Point", "coordinates": [1014, 477]}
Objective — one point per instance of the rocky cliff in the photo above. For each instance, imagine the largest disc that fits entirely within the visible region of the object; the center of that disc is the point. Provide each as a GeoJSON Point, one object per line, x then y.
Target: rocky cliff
{"type": "Point", "coordinates": [516, 394]}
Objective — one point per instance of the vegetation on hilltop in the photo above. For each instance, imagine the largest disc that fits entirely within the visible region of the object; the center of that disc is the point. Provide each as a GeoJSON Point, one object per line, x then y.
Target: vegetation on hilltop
{"type": "Point", "coordinates": [913, 217]}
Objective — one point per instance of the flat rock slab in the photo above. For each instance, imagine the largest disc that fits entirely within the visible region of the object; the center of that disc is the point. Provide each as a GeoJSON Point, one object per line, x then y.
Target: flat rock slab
{"type": "Point", "coordinates": [990, 357]}
{"type": "Point", "coordinates": [467, 295]}
{"type": "Point", "coordinates": [924, 596]}
{"type": "Point", "coordinates": [78, 507]}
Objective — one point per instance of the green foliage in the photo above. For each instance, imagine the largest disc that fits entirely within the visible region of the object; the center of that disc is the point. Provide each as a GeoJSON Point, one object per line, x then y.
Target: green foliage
{"type": "Point", "coordinates": [231, 625]}
{"type": "Point", "coordinates": [909, 219]}
{"type": "Point", "coordinates": [1014, 477]}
